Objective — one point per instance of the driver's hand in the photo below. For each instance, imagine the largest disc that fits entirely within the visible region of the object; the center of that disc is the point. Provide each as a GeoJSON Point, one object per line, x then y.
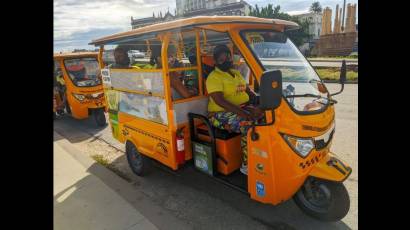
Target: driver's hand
{"type": "Point", "coordinates": [245, 114]}
{"type": "Point", "coordinates": [255, 112]}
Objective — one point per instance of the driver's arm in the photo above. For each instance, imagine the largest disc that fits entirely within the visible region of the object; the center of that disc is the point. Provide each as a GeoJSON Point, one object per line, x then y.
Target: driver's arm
{"type": "Point", "coordinates": [219, 99]}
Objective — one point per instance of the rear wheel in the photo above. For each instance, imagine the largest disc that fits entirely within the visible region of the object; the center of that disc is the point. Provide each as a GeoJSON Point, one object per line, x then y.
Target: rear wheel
{"type": "Point", "coordinates": [324, 200]}
{"type": "Point", "coordinates": [137, 162]}
{"type": "Point", "coordinates": [67, 107]}
{"type": "Point", "coordinates": [99, 117]}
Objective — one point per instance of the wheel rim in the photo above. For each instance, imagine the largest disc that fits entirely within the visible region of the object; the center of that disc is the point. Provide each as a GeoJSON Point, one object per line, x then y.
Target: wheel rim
{"type": "Point", "coordinates": [315, 196]}
{"type": "Point", "coordinates": [135, 158]}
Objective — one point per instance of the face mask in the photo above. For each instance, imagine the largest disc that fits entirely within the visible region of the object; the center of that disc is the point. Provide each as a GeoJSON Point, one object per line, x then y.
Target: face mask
{"type": "Point", "coordinates": [225, 66]}
{"type": "Point", "coordinates": [236, 58]}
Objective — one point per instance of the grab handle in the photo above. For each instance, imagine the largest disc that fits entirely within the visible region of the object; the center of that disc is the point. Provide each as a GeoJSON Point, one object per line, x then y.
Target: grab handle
{"type": "Point", "coordinates": [194, 130]}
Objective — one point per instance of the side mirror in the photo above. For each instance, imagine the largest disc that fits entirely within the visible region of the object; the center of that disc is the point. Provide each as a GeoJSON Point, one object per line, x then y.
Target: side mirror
{"type": "Point", "coordinates": [270, 90]}
{"type": "Point", "coordinates": [343, 73]}
{"type": "Point", "coordinates": [342, 79]}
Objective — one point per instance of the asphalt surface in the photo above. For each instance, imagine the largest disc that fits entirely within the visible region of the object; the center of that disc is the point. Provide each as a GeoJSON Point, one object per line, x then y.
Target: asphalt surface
{"type": "Point", "coordinates": [203, 203]}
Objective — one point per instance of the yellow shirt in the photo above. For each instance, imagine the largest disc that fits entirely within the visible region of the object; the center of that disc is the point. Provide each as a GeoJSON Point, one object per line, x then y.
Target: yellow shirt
{"type": "Point", "coordinates": [233, 89]}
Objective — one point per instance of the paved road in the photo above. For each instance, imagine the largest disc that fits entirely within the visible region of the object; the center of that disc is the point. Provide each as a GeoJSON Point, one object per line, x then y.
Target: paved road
{"type": "Point", "coordinates": [206, 204]}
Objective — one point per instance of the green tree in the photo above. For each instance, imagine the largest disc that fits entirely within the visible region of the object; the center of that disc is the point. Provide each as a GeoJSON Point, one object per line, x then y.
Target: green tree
{"type": "Point", "coordinates": [316, 7]}
{"type": "Point", "coordinates": [298, 36]}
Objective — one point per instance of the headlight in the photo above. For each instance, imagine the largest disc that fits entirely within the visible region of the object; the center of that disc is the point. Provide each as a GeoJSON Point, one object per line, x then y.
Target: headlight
{"type": "Point", "coordinates": [79, 97]}
{"type": "Point", "coordinates": [301, 146]}
{"type": "Point", "coordinates": [97, 95]}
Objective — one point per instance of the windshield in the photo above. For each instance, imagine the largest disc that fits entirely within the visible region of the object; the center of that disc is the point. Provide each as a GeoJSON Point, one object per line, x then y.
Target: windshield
{"type": "Point", "coordinates": [83, 71]}
{"type": "Point", "coordinates": [276, 52]}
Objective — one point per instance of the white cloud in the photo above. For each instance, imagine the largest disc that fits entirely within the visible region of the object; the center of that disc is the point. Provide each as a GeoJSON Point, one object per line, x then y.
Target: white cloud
{"type": "Point", "coordinates": [76, 17]}
{"type": "Point", "coordinates": [77, 22]}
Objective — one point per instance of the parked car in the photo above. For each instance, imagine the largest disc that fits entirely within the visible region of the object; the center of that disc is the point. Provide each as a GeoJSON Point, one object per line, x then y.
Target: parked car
{"type": "Point", "coordinates": [136, 54]}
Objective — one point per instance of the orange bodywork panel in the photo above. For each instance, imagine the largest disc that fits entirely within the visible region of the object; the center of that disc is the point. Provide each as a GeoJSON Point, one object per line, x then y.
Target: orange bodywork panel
{"type": "Point", "coordinates": [331, 168]}
{"type": "Point", "coordinates": [274, 166]}
{"type": "Point", "coordinates": [229, 154]}
{"type": "Point", "coordinates": [155, 143]}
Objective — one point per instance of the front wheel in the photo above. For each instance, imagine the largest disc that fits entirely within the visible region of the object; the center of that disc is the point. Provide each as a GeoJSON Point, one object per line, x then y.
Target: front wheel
{"type": "Point", "coordinates": [99, 117]}
{"type": "Point", "coordinates": [324, 200]}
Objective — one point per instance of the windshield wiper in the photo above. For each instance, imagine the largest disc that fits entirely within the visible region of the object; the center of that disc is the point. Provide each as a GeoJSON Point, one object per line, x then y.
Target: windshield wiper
{"type": "Point", "coordinates": [333, 101]}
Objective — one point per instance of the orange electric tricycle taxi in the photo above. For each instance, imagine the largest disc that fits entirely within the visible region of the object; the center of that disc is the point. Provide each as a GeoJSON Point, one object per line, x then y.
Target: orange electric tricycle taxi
{"type": "Point", "coordinates": [78, 89]}
{"type": "Point", "coordinates": [289, 152]}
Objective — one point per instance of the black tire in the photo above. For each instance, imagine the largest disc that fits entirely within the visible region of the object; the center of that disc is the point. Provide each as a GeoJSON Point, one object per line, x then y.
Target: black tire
{"type": "Point", "coordinates": [331, 202]}
{"type": "Point", "coordinates": [60, 112]}
{"type": "Point", "coordinates": [99, 117]}
{"type": "Point", "coordinates": [137, 162]}
{"type": "Point", "coordinates": [67, 107]}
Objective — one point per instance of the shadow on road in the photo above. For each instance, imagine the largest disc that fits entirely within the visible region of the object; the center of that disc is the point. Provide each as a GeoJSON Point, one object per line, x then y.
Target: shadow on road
{"type": "Point", "coordinates": [77, 130]}
{"type": "Point", "coordinates": [190, 192]}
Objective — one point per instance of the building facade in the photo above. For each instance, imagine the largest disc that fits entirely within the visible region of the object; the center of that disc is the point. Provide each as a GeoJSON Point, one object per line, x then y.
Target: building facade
{"type": "Point", "coordinates": [187, 8]}
{"type": "Point", "coordinates": [191, 8]}
{"type": "Point", "coordinates": [315, 23]}
{"type": "Point", "coordinates": [136, 23]}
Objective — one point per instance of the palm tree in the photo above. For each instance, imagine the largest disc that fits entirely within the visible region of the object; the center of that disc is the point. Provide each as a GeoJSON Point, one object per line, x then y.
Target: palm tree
{"type": "Point", "coordinates": [316, 7]}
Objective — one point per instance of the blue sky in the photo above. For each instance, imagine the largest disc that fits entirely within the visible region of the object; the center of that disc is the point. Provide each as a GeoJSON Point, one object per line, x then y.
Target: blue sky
{"type": "Point", "coordinates": [77, 22]}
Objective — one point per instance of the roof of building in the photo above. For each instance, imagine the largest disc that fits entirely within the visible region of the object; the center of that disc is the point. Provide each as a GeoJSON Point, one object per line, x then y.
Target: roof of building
{"type": "Point", "coordinates": [236, 5]}
{"type": "Point", "coordinates": [151, 19]}
{"type": "Point", "coordinates": [191, 22]}
{"type": "Point", "coordinates": [168, 14]}
{"type": "Point", "coordinates": [142, 20]}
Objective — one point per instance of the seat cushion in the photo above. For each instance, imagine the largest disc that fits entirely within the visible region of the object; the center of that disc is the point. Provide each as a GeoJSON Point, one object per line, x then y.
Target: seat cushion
{"type": "Point", "coordinates": [219, 133]}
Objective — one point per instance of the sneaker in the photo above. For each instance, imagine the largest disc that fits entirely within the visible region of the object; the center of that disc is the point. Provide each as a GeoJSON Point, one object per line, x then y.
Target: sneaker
{"type": "Point", "coordinates": [244, 169]}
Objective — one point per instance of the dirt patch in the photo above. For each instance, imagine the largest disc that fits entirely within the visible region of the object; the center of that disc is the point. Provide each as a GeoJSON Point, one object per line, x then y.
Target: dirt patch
{"type": "Point", "coordinates": [106, 155]}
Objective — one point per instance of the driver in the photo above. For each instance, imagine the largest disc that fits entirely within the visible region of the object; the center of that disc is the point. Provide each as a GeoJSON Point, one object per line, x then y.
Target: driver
{"type": "Point", "coordinates": [78, 71]}
{"type": "Point", "coordinates": [229, 105]}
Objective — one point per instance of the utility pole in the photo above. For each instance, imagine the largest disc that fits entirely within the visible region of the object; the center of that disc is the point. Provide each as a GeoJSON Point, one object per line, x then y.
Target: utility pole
{"type": "Point", "coordinates": [343, 18]}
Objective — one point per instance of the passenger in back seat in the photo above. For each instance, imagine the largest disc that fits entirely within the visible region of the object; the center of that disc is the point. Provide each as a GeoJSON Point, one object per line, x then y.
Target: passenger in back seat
{"type": "Point", "coordinates": [228, 105]}
{"type": "Point", "coordinates": [178, 89]}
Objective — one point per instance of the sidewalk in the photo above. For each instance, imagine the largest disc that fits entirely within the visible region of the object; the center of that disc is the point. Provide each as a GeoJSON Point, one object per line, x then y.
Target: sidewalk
{"type": "Point", "coordinates": [83, 201]}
